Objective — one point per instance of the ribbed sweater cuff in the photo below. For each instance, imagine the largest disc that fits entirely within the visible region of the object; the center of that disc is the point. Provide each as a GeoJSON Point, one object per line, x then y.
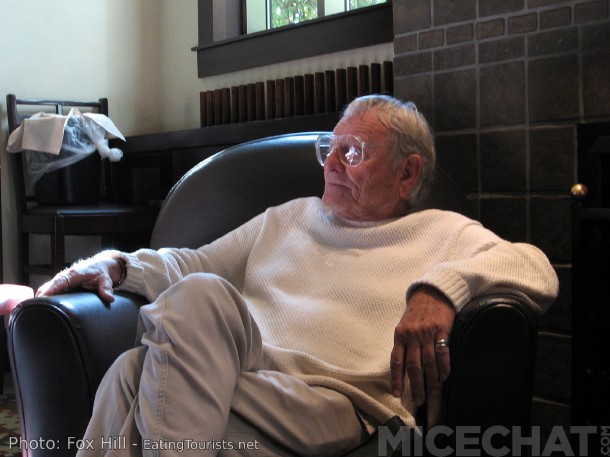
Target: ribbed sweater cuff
{"type": "Point", "coordinates": [135, 274]}
{"type": "Point", "coordinates": [447, 282]}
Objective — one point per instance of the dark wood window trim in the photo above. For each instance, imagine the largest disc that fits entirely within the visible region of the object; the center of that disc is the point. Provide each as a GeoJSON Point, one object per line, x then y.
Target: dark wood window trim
{"type": "Point", "coordinates": [339, 32]}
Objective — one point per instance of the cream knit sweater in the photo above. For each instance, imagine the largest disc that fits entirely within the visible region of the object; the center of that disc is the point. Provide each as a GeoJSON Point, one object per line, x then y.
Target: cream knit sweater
{"type": "Point", "coordinates": [327, 293]}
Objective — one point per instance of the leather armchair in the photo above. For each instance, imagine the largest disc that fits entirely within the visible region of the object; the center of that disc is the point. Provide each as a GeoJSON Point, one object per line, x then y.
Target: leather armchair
{"type": "Point", "coordinates": [61, 346]}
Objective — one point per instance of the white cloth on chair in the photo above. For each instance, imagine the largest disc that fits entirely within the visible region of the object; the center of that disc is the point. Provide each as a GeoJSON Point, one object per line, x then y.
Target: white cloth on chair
{"type": "Point", "coordinates": [44, 132]}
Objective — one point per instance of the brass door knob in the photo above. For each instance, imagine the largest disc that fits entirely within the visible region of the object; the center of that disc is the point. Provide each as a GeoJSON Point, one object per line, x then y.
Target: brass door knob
{"type": "Point", "coordinates": [579, 191]}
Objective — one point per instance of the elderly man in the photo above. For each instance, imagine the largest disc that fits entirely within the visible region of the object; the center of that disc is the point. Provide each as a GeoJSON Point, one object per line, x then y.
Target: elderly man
{"type": "Point", "coordinates": [317, 320]}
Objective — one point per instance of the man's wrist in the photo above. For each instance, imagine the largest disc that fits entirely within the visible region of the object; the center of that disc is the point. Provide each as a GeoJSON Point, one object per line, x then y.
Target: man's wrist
{"type": "Point", "coordinates": [123, 272]}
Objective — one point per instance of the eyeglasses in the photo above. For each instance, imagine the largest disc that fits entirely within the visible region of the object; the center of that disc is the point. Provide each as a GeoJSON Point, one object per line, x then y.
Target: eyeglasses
{"type": "Point", "coordinates": [349, 147]}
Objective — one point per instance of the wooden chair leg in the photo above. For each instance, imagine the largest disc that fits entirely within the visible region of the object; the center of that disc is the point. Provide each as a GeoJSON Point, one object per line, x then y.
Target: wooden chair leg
{"type": "Point", "coordinates": [58, 247]}
{"type": "Point", "coordinates": [24, 258]}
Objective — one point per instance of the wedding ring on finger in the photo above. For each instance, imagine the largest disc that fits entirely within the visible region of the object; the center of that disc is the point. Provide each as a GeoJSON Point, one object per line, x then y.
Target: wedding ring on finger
{"type": "Point", "coordinates": [67, 280]}
{"type": "Point", "coordinates": [442, 343]}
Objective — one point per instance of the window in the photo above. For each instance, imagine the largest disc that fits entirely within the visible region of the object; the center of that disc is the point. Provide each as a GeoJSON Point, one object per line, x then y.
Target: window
{"type": "Point", "coordinates": [271, 14]}
{"type": "Point", "coordinates": [225, 48]}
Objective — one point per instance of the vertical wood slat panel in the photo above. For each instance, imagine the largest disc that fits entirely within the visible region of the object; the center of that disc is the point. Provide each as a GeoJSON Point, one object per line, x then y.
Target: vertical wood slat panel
{"type": "Point", "coordinates": [203, 114]}
{"type": "Point", "coordinates": [243, 103]}
{"type": "Point", "coordinates": [363, 80]}
{"type": "Point", "coordinates": [352, 83]}
{"type": "Point", "coordinates": [234, 105]}
{"type": "Point", "coordinates": [319, 96]}
{"type": "Point", "coordinates": [289, 97]}
{"type": "Point", "coordinates": [375, 87]}
{"type": "Point", "coordinates": [210, 106]}
{"type": "Point", "coordinates": [260, 100]}
{"type": "Point", "coordinates": [279, 98]}
{"type": "Point", "coordinates": [217, 107]}
{"type": "Point", "coordinates": [251, 89]}
{"type": "Point", "coordinates": [270, 99]}
{"type": "Point", "coordinates": [388, 77]}
{"type": "Point", "coordinates": [299, 95]}
{"type": "Point", "coordinates": [321, 92]}
{"type": "Point", "coordinates": [225, 97]}
{"type": "Point", "coordinates": [330, 103]}
{"type": "Point", "coordinates": [341, 88]}
{"type": "Point", "coordinates": [309, 94]}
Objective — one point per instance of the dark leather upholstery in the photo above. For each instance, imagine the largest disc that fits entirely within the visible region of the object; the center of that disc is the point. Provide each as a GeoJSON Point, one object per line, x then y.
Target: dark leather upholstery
{"type": "Point", "coordinates": [61, 346]}
{"type": "Point", "coordinates": [237, 183]}
{"type": "Point", "coordinates": [244, 180]}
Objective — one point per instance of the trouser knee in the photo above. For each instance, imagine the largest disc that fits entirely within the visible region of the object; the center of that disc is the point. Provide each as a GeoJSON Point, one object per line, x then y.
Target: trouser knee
{"type": "Point", "coordinates": [124, 374]}
{"type": "Point", "coordinates": [199, 311]}
{"type": "Point", "coordinates": [205, 297]}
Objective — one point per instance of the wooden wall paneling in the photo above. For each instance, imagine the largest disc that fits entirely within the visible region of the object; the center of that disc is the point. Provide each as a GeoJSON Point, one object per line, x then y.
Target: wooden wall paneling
{"type": "Point", "coordinates": [279, 98]}
{"type": "Point", "coordinates": [251, 89]}
{"type": "Point", "coordinates": [299, 95]}
{"type": "Point", "coordinates": [352, 83]}
{"type": "Point", "coordinates": [217, 106]}
{"type": "Point", "coordinates": [289, 97]}
{"type": "Point", "coordinates": [203, 109]}
{"type": "Point", "coordinates": [319, 93]}
{"type": "Point", "coordinates": [363, 80]}
{"type": "Point", "coordinates": [309, 94]}
{"type": "Point", "coordinates": [270, 99]}
{"type": "Point", "coordinates": [260, 100]}
{"type": "Point", "coordinates": [330, 103]}
{"type": "Point", "coordinates": [341, 88]}
{"type": "Point", "coordinates": [210, 107]}
{"type": "Point", "coordinates": [375, 78]}
{"type": "Point", "coordinates": [243, 103]}
{"type": "Point", "coordinates": [234, 104]}
{"type": "Point", "coordinates": [226, 105]}
{"type": "Point", "coordinates": [388, 77]}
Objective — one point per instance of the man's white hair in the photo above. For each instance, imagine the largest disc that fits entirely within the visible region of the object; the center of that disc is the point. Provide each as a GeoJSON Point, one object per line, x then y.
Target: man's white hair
{"type": "Point", "coordinates": [409, 134]}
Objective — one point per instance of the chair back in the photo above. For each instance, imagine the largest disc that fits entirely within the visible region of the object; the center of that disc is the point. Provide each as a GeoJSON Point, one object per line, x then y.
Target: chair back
{"type": "Point", "coordinates": [234, 185]}
{"type": "Point", "coordinates": [17, 110]}
{"type": "Point", "coordinates": [16, 116]}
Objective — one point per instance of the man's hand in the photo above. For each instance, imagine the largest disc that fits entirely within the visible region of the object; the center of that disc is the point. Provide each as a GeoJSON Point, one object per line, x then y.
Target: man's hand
{"type": "Point", "coordinates": [97, 275]}
{"type": "Point", "coordinates": [428, 318]}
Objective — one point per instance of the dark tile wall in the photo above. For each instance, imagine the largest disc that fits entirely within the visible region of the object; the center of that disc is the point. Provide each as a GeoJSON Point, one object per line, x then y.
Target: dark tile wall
{"type": "Point", "coordinates": [504, 84]}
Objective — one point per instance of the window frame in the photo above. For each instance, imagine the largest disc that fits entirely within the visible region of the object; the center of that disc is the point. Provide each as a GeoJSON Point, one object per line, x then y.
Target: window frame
{"type": "Point", "coordinates": [359, 28]}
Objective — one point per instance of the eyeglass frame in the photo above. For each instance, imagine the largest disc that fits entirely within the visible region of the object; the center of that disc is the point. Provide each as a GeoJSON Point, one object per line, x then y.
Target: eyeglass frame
{"type": "Point", "coordinates": [342, 156]}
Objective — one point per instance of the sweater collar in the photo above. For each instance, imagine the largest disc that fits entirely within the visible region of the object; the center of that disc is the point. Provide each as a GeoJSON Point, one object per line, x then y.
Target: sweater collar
{"type": "Point", "coordinates": [342, 222]}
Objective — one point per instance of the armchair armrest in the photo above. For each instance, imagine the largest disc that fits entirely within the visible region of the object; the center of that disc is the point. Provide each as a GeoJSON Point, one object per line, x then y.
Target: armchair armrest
{"type": "Point", "coordinates": [60, 347]}
{"type": "Point", "coordinates": [493, 351]}
{"type": "Point", "coordinates": [493, 347]}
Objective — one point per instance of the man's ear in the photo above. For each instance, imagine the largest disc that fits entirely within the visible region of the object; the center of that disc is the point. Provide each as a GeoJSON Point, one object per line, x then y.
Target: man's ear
{"type": "Point", "coordinates": [410, 171]}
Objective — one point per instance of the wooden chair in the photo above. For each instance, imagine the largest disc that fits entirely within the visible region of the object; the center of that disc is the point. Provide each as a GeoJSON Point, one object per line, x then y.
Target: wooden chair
{"type": "Point", "coordinates": [123, 226]}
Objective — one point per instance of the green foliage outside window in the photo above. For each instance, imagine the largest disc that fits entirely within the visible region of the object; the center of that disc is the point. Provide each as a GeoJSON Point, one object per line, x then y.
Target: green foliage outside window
{"type": "Point", "coordinates": [285, 12]}
{"type": "Point", "coordinates": [353, 4]}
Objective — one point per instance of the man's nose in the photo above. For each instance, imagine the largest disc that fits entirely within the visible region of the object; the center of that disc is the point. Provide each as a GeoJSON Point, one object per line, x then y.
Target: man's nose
{"type": "Point", "coordinates": [333, 162]}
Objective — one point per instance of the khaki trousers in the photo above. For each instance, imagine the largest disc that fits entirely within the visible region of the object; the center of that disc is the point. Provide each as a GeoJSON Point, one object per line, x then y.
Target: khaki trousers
{"type": "Point", "coordinates": [197, 374]}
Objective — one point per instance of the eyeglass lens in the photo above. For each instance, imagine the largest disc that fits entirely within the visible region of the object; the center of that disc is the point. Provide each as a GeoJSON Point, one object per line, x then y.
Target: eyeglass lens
{"type": "Point", "coordinates": [349, 147]}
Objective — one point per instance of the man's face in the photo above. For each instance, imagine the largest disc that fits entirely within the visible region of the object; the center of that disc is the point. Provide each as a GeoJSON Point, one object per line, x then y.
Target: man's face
{"type": "Point", "coordinates": [372, 190]}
